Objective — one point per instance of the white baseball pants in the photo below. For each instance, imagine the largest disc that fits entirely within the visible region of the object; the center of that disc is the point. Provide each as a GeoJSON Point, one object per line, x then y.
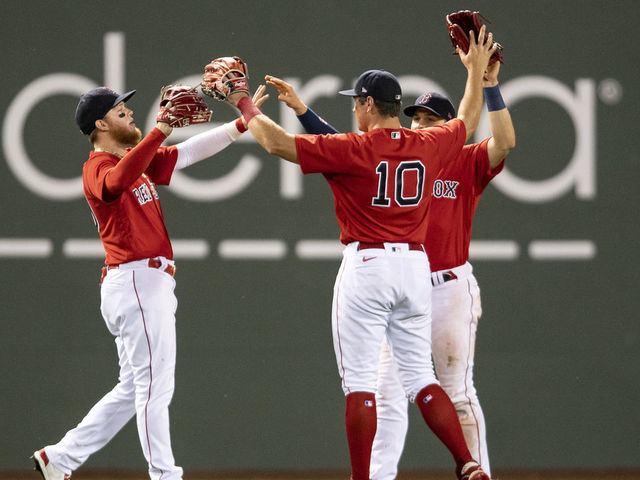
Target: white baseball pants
{"type": "Point", "coordinates": [138, 306]}
{"type": "Point", "coordinates": [456, 310]}
{"type": "Point", "coordinates": [378, 293]}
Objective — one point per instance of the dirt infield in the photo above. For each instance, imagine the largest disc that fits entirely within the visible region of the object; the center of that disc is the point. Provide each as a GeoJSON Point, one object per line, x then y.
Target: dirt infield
{"type": "Point", "coordinates": [499, 475]}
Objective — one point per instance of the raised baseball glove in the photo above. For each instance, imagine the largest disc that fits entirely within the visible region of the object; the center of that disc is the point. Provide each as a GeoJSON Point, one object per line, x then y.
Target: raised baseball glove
{"type": "Point", "coordinates": [224, 76]}
{"type": "Point", "coordinates": [181, 106]}
{"type": "Point", "coordinates": [460, 23]}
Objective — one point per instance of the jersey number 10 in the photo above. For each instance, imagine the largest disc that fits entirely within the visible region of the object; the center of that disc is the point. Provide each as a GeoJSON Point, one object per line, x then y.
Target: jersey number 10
{"type": "Point", "coordinates": [404, 168]}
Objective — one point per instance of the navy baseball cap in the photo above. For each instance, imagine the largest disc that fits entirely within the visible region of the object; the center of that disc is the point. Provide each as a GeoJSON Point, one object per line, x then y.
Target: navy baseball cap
{"type": "Point", "coordinates": [95, 104]}
{"type": "Point", "coordinates": [435, 103]}
{"type": "Point", "coordinates": [379, 84]}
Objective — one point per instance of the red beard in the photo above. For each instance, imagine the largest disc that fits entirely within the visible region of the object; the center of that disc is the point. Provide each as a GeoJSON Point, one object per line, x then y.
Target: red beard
{"type": "Point", "coordinates": [126, 136]}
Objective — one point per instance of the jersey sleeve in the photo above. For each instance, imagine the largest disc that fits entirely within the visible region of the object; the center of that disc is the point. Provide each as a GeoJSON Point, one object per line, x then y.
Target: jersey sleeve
{"type": "Point", "coordinates": [325, 153]}
{"type": "Point", "coordinates": [477, 158]}
{"type": "Point", "coordinates": [161, 167]}
{"type": "Point", "coordinates": [134, 163]}
{"type": "Point", "coordinates": [448, 140]}
{"type": "Point", "coordinates": [94, 172]}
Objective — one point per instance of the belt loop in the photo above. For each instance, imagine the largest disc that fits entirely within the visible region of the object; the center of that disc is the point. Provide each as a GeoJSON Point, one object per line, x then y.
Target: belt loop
{"type": "Point", "coordinates": [154, 263]}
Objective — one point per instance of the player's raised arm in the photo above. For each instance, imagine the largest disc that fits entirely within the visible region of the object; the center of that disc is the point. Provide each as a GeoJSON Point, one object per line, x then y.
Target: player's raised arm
{"type": "Point", "coordinates": [225, 79]}
{"type": "Point", "coordinates": [310, 120]}
{"type": "Point", "coordinates": [503, 134]}
{"type": "Point", "coordinates": [273, 138]}
{"type": "Point", "coordinates": [207, 144]}
{"type": "Point", "coordinates": [134, 162]}
{"type": "Point", "coordinates": [475, 61]}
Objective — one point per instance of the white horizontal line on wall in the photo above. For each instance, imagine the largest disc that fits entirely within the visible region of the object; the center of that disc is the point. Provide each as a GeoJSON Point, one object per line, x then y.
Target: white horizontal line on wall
{"type": "Point", "coordinates": [82, 248]}
{"type": "Point", "coordinates": [92, 248]}
{"type": "Point", "coordinates": [319, 249]}
{"type": "Point", "coordinates": [193, 249]}
{"type": "Point", "coordinates": [237, 249]}
{"type": "Point", "coordinates": [493, 250]}
{"type": "Point", "coordinates": [562, 250]}
{"type": "Point", "coordinates": [26, 247]}
{"type": "Point", "coordinates": [308, 249]}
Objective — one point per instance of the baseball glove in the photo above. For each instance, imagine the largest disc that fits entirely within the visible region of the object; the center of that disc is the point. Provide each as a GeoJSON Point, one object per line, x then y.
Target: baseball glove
{"type": "Point", "coordinates": [181, 106]}
{"type": "Point", "coordinates": [460, 23]}
{"type": "Point", "coordinates": [224, 76]}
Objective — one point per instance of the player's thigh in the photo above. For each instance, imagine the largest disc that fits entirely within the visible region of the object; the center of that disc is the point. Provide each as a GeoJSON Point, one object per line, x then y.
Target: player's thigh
{"type": "Point", "coordinates": [360, 312]}
{"type": "Point", "coordinates": [409, 331]}
{"type": "Point", "coordinates": [456, 310]}
{"type": "Point", "coordinates": [116, 294]}
{"type": "Point", "coordinates": [357, 348]}
{"type": "Point", "coordinates": [148, 326]}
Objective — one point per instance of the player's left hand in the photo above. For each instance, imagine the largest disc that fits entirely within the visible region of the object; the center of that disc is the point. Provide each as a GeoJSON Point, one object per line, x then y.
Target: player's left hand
{"type": "Point", "coordinates": [286, 94]}
{"type": "Point", "coordinates": [259, 97]}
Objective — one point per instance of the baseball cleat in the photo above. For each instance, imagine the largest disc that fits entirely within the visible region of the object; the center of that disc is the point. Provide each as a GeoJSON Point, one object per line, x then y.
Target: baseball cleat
{"type": "Point", "coordinates": [46, 469]}
{"type": "Point", "coordinates": [472, 471]}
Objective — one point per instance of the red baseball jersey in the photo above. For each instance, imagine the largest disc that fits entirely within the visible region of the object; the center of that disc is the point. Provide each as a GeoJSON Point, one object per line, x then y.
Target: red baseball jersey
{"type": "Point", "coordinates": [381, 179]}
{"type": "Point", "coordinates": [132, 226]}
{"type": "Point", "coordinates": [455, 195]}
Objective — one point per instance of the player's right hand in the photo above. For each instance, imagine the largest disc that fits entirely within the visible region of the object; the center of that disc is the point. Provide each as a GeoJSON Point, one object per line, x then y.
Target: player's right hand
{"type": "Point", "coordinates": [480, 50]}
{"type": "Point", "coordinates": [287, 94]}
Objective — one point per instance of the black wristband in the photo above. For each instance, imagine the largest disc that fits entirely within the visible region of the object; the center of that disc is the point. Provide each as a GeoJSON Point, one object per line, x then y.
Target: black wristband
{"type": "Point", "coordinates": [493, 97]}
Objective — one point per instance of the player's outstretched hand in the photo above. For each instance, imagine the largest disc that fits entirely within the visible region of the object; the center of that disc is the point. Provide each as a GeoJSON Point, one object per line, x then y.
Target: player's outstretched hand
{"type": "Point", "coordinates": [259, 97]}
{"type": "Point", "coordinates": [480, 50]}
{"type": "Point", "coordinates": [287, 94]}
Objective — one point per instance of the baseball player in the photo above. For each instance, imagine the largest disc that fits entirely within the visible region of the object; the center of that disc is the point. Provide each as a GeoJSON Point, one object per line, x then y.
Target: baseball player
{"type": "Point", "coordinates": [383, 285]}
{"type": "Point", "coordinates": [456, 305]}
{"type": "Point", "coordinates": [455, 296]}
{"type": "Point", "coordinates": [137, 285]}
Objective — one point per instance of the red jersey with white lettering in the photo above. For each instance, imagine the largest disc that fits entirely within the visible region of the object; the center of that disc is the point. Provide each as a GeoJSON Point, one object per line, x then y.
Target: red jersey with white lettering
{"type": "Point", "coordinates": [381, 179]}
{"type": "Point", "coordinates": [455, 196]}
{"type": "Point", "coordinates": [132, 226]}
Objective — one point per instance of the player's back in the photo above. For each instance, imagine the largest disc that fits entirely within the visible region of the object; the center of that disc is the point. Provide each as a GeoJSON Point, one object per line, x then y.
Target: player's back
{"type": "Point", "coordinates": [378, 179]}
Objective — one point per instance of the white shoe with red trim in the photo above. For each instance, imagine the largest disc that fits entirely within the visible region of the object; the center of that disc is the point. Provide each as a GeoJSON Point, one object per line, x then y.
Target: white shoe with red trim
{"type": "Point", "coordinates": [48, 471]}
{"type": "Point", "coordinates": [472, 471]}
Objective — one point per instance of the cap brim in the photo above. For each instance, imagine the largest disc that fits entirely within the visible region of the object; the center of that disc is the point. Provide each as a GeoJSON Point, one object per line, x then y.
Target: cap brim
{"type": "Point", "coordinates": [349, 93]}
{"type": "Point", "coordinates": [123, 98]}
{"type": "Point", "coordinates": [411, 110]}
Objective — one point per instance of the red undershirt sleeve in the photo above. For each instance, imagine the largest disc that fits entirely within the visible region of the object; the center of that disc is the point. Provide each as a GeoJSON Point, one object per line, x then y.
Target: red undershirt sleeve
{"type": "Point", "coordinates": [134, 163]}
